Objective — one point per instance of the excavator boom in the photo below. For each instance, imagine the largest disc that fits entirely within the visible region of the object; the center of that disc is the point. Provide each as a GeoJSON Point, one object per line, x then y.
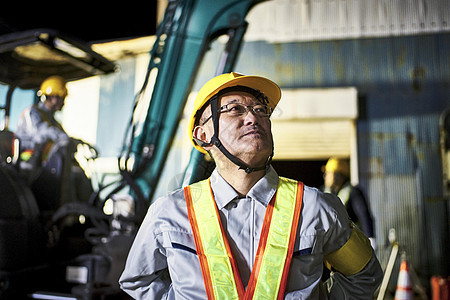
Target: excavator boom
{"type": "Point", "coordinates": [183, 37]}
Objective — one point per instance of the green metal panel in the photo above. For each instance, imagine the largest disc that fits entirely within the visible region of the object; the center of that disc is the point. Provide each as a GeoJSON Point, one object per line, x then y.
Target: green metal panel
{"type": "Point", "coordinates": [182, 39]}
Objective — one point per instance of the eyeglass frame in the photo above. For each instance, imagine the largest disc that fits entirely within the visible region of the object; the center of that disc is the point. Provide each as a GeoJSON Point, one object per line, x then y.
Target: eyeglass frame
{"type": "Point", "coordinates": [247, 109]}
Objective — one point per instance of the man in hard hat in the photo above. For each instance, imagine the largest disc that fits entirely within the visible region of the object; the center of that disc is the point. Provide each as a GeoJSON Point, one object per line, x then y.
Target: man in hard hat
{"type": "Point", "coordinates": [37, 124]}
{"type": "Point", "coordinates": [246, 232]}
{"type": "Point", "coordinates": [337, 181]}
{"type": "Point", "coordinates": [47, 150]}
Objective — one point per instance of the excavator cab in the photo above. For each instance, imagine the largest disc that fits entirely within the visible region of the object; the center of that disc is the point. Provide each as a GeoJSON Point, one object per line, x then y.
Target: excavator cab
{"type": "Point", "coordinates": [41, 234]}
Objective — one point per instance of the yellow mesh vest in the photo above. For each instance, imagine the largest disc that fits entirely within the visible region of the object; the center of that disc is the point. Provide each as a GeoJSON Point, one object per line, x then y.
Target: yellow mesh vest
{"type": "Point", "coordinates": [271, 266]}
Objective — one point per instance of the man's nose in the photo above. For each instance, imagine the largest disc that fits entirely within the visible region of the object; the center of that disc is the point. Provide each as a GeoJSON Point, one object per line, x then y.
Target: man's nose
{"type": "Point", "coordinates": [250, 117]}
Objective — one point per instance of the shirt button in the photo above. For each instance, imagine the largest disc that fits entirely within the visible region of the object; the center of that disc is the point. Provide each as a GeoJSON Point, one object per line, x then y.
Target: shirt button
{"type": "Point", "coordinates": [231, 204]}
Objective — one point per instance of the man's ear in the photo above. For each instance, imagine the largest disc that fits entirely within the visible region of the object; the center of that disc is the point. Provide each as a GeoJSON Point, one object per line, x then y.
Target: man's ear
{"type": "Point", "coordinates": [200, 136]}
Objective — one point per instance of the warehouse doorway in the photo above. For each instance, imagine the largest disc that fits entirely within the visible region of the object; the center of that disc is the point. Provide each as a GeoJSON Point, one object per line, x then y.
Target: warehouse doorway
{"type": "Point", "coordinates": [311, 125]}
{"type": "Point", "coordinates": [307, 171]}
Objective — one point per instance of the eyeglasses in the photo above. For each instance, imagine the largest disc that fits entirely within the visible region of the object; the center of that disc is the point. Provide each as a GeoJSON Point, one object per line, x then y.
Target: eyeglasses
{"type": "Point", "coordinates": [238, 109]}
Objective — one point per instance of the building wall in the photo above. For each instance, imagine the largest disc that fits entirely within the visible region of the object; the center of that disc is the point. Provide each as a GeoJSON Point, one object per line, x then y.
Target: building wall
{"type": "Point", "coordinates": [403, 85]}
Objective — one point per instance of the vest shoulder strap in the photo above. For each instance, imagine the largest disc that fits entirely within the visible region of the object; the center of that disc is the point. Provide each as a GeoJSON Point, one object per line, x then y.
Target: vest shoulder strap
{"type": "Point", "coordinates": [274, 254]}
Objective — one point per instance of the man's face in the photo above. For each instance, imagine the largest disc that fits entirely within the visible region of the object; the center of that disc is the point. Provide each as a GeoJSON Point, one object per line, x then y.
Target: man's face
{"type": "Point", "coordinates": [328, 178]}
{"type": "Point", "coordinates": [333, 181]}
{"type": "Point", "coordinates": [55, 103]}
{"type": "Point", "coordinates": [248, 136]}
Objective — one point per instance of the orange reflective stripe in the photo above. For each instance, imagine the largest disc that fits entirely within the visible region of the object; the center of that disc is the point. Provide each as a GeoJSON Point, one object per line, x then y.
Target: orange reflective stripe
{"type": "Point", "coordinates": [273, 260]}
{"type": "Point", "coordinates": [219, 268]}
{"type": "Point", "coordinates": [296, 218]}
{"type": "Point", "coordinates": [271, 267]}
{"type": "Point", "coordinates": [260, 252]}
{"type": "Point", "coordinates": [198, 244]}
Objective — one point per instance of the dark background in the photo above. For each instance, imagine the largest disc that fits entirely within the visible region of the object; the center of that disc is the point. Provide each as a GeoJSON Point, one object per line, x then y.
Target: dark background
{"type": "Point", "coordinates": [87, 21]}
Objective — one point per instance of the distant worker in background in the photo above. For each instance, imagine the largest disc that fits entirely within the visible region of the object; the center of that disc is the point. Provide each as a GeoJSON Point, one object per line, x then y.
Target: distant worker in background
{"type": "Point", "coordinates": [246, 233]}
{"type": "Point", "coordinates": [47, 150]}
{"type": "Point", "coordinates": [337, 182]}
{"type": "Point", "coordinates": [37, 124]}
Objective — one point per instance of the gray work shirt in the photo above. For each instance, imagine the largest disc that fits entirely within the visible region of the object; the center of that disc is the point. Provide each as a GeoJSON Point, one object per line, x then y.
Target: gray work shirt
{"type": "Point", "coordinates": [163, 264]}
{"type": "Point", "coordinates": [38, 125]}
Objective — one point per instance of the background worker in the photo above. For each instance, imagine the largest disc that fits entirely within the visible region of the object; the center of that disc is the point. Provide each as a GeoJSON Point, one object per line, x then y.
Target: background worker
{"type": "Point", "coordinates": [47, 151]}
{"type": "Point", "coordinates": [219, 238]}
{"type": "Point", "coordinates": [337, 181]}
{"type": "Point", "coordinates": [37, 124]}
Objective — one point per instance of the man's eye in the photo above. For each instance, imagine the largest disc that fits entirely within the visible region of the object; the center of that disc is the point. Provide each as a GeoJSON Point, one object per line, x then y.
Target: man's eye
{"type": "Point", "coordinates": [236, 108]}
{"type": "Point", "coordinates": [260, 109]}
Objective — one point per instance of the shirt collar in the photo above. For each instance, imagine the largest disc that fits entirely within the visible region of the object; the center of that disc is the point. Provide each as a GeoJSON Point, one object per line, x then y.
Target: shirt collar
{"type": "Point", "coordinates": [262, 191]}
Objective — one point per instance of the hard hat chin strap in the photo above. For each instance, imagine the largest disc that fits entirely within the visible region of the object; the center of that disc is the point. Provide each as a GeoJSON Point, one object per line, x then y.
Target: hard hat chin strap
{"type": "Point", "coordinates": [216, 142]}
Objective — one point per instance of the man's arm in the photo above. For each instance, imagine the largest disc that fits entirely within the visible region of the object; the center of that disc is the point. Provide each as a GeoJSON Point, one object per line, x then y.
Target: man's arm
{"type": "Point", "coordinates": [357, 272]}
{"type": "Point", "coordinates": [361, 285]}
{"type": "Point", "coordinates": [35, 128]}
{"type": "Point", "coordinates": [46, 131]}
{"type": "Point", "coordinates": [146, 275]}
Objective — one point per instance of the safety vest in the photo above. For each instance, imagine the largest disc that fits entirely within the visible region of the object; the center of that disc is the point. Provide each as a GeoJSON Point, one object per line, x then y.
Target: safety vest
{"type": "Point", "coordinates": [274, 254]}
{"type": "Point", "coordinates": [344, 193]}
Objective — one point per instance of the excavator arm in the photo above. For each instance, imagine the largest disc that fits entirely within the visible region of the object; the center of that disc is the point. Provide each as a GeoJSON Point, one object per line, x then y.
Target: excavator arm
{"type": "Point", "coordinates": [183, 37]}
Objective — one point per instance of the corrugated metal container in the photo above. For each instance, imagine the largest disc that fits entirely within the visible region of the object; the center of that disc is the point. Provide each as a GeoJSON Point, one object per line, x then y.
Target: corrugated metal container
{"type": "Point", "coordinates": [305, 20]}
{"type": "Point", "coordinates": [403, 176]}
{"type": "Point", "coordinates": [403, 85]}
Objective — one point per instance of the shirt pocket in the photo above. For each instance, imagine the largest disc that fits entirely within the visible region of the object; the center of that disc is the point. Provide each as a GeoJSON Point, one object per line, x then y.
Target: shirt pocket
{"type": "Point", "coordinates": [309, 243]}
{"type": "Point", "coordinates": [179, 241]}
{"type": "Point", "coordinates": [306, 265]}
{"type": "Point", "coordinates": [184, 266]}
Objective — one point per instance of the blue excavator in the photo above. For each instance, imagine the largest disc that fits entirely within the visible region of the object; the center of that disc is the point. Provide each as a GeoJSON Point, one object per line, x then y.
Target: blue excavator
{"type": "Point", "coordinates": [43, 255]}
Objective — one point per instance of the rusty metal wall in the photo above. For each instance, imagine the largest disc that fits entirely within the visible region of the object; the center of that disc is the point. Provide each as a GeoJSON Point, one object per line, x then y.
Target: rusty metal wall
{"type": "Point", "coordinates": [306, 20]}
{"type": "Point", "coordinates": [402, 171]}
{"type": "Point", "coordinates": [403, 85]}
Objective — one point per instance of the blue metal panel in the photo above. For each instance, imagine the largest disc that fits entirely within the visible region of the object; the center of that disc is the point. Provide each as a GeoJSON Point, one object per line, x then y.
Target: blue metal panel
{"type": "Point", "coordinates": [404, 85]}
{"type": "Point", "coordinates": [400, 72]}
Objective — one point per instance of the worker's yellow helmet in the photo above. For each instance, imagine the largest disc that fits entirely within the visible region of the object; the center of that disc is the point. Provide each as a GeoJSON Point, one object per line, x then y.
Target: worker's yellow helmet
{"type": "Point", "coordinates": [338, 165]}
{"type": "Point", "coordinates": [269, 88]}
{"type": "Point", "coordinates": [53, 86]}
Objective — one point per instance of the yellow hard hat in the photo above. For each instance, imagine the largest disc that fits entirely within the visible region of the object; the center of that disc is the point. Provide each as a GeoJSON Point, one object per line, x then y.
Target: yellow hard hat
{"type": "Point", "coordinates": [338, 165]}
{"type": "Point", "coordinates": [269, 88]}
{"type": "Point", "coordinates": [53, 86]}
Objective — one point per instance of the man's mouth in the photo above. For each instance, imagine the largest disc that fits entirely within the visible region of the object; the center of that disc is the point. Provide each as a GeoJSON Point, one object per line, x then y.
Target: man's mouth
{"type": "Point", "coordinates": [253, 132]}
